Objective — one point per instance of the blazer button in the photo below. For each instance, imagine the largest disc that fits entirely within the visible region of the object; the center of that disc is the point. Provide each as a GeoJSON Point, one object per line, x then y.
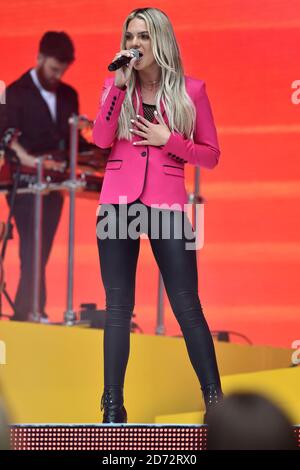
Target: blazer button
{"type": "Point", "coordinates": [114, 98]}
{"type": "Point", "coordinates": [144, 154]}
{"type": "Point", "coordinates": [107, 118]}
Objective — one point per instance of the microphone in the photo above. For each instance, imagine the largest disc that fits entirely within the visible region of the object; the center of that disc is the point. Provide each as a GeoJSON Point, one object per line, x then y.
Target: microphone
{"type": "Point", "coordinates": [123, 60]}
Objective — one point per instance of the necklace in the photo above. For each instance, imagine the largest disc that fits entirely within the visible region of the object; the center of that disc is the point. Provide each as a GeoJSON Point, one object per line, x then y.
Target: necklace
{"type": "Point", "coordinates": [151, 84]}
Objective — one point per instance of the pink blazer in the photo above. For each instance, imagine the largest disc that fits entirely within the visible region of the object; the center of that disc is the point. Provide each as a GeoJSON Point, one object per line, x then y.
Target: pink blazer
{"type": "Point", "coordinates": [153, 174]}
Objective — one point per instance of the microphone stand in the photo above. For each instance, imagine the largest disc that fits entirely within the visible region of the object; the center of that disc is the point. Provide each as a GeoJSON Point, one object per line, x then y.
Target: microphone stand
{"type": "Point", "coordinates": [38, 188]}
{"type": "Point", "coordinates": [72, 186]}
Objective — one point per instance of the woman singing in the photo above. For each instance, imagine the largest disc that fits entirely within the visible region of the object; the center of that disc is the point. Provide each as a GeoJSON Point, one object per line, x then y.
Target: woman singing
{"type": "Point", "coordinates": [155, 119]}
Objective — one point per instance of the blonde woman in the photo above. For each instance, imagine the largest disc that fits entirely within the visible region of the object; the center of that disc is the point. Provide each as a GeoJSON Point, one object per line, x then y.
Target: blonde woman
{"type": "Point", "coordinates": [155, 119]}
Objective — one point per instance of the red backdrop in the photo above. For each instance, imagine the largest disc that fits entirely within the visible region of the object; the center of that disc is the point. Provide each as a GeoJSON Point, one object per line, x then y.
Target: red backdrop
{"type": "Point", "coordinates": [246, 52]}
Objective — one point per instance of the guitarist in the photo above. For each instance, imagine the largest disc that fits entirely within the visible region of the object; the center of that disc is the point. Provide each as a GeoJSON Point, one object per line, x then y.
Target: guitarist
{"type": "Point", "coordinates": [39, 104]}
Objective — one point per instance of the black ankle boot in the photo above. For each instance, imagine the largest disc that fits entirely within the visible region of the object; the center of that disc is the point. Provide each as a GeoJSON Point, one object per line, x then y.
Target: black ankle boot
{"type": "Point", "coordinates": [212, 395]}
{"type": "Point", "coordinates": [112, 403]}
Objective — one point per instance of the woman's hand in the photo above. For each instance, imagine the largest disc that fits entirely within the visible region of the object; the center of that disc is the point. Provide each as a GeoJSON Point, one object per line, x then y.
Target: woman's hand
{"type": "Point", "coordinates": [122, 74]}
{"type": "Point", "coordinates": [153, 134]}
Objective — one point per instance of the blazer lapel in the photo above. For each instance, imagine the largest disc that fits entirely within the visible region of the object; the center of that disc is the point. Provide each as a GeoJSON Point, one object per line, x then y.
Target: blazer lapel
{"type": "Point", "coordinates": [140, 110]}
{"type": "Point", "coordinates": [39, 97]}
{"type": "Point", "coordinates": [163, 113]}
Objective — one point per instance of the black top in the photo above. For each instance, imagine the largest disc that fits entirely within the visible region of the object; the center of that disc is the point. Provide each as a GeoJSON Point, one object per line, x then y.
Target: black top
{"type": "Point", "coordinates": [149, 111]}
{"type": "Point", "coordinates": [26, 110]}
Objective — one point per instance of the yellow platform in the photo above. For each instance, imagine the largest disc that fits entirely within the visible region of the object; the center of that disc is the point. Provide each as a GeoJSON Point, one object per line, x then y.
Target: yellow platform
{"type": "Point", "coordinates": [281, 386]}
{"type": "Point", "coordinates": [54, 374]}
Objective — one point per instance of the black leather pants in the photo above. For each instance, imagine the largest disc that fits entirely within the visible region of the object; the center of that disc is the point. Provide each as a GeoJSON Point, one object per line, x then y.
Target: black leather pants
{"type": "Point", "coordinates": [178, 266]}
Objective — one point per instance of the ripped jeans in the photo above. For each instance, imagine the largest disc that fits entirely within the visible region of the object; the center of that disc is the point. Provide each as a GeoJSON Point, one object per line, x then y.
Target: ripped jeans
{"type": "Point", "coordinates": [118, 261]}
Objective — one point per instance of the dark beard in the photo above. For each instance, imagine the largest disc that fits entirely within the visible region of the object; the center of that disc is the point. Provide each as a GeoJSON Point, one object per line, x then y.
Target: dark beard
{"type": "Point", "coordinates": [44, 82]}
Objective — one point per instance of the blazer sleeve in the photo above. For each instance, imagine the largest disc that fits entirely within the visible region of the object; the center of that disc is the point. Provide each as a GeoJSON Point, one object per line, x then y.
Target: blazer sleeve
{"type": "Point", "coordinates": [106, 122]}
{"type": "Point", "coordinates": [204, 150]}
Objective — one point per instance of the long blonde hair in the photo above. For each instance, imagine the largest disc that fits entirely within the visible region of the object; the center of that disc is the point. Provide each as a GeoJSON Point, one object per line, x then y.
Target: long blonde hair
{"type": "Point", "coordinates": [172, 92]}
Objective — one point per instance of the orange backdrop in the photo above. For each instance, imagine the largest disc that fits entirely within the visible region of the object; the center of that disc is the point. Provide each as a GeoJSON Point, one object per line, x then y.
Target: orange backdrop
{"type": "Point", "coordinates": [246, 51]}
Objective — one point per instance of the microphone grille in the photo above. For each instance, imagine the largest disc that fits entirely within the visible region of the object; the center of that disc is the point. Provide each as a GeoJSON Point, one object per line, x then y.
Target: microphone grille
{"type": "Point", "coordinates": [137, 53]}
